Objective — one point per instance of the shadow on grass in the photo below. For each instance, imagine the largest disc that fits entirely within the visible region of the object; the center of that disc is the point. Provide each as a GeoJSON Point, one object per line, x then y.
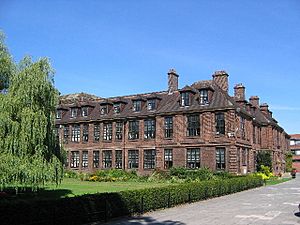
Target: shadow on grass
{"type": "Point", "coordinates": [41, 194]}
{"type": "Point", "coordinates": [139, 220]}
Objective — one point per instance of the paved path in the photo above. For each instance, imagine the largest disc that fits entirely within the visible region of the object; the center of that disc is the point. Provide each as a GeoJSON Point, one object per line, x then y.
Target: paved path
{"type": "Point", "coordinates": [275, 205]}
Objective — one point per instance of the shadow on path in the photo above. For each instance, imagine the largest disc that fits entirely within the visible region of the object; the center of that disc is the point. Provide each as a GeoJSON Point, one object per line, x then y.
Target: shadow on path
{"type": "Point", "coordinates": [141, 220]}
{"type": "Point", "coordinates": [297, 214]}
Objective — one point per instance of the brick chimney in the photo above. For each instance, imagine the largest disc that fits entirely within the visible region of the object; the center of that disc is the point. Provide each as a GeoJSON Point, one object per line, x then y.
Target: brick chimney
{"type": "Point", "coordinates": [239, 92]}
{"type": "Point", "coordinates": [254, 100]}
{"type": "Point", "coordinates": [221, 79]}
{"type": "Point", "coordinates": [264, 108]}
{"type": "Point", "coordinates": [172, 81]}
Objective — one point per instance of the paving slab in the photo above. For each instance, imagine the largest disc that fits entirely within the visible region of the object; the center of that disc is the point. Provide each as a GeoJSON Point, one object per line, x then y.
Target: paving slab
{"type": "Point", "coordinates": [274, 205]}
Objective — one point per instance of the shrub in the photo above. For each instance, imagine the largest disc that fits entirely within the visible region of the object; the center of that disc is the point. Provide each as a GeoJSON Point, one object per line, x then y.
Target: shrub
{"type": "Point", "coordinates": [95, 207]}
{"type": "Point", "coordinates": [70, 174]}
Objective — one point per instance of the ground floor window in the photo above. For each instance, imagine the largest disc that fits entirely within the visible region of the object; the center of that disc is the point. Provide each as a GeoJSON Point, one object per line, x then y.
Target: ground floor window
{"type": "Point", "coordinates": [107, 159]}
{"type": "Point", "coordinates": [244, 156]}
{"type": "Point", "coordinates": [133, 159]}
{"type": "Point", "coordinates": [168, 156]}
{"type": "Point", "coordinates": [96, 156]}
{"type": "Point", "coordinates": [193, 158]}
{"type": "Point", "coordinates": [74, 159]}
{"type": "Point", "coordinates": [85, 159]}
{"type": "Point", "coordinates": [149, 159]}
{"type": "Point", "coordinates": [220, 158]}
{"type": "Point", "coordinates": [119, 159]}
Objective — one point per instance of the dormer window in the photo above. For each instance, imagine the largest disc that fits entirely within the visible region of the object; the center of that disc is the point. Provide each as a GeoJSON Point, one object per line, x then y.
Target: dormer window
{"type": "Point", "coordinates": [185, 99]}
{"type": "Point", "coordinates": [84, 111]}
{"type": "Point", "coordinates": [74, 112]}
{"type": "Point", "coordinates": [104, 110]}
{"type": "Point", "coordinates": [203, 96]}
{"type": "Point", "coordinates": [151, 104]}
{"type": "Point", "coordinates": [137, 105]}
{"type": "Point", "coordinates": [58, 114]}
{"type": "Point", "coordinates": [117, 107]}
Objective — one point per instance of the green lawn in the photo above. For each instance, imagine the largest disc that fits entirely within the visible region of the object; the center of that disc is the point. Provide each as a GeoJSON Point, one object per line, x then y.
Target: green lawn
{"type": "Point", "coordinates": [277, 181]}
{"type": "Point", "coordinates": [72, 187]}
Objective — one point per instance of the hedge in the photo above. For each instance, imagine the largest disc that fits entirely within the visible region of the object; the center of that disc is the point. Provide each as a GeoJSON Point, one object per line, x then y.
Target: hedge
{"type": "Point", "coordinates": [103, 206]}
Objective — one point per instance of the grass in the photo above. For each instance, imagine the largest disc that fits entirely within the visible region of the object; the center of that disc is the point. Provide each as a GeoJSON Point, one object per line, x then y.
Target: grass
{"type": "Point", "coordinates": [277, 181]}
{"type": "Point", "coordinates": [78, 187]}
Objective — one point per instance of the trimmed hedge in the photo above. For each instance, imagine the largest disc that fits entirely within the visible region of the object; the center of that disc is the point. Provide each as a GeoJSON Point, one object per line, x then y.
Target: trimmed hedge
{"type": "Point", "coordinates": [102, 206]}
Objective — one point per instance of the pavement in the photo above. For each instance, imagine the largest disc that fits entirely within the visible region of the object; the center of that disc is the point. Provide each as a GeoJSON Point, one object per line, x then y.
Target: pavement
{"type": "Point", "coordinates": [275, 205]}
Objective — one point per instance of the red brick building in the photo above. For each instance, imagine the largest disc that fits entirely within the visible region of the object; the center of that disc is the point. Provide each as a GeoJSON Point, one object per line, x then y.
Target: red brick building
{"type": "Point", "coordinates": [199, 125]}
{"type": "Point", "coordinates": [295, 149]}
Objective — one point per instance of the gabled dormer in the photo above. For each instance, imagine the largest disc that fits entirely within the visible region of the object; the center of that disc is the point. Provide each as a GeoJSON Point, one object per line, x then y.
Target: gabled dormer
{"type": "Point", "coordinates": [205, 95]}
{"type": "Point", "coordinates": [152, 102]}
{"type": "Point", "coordinates": [73, 112]}
{"type": "Point", "coordinates": [186, 96]}
{"type": "Point", "coordinates": [60, 112]}
{"type": "Point", "coordinates": [118, 105]}
{"type": "Point", "coordinates": [86, 109]}
{"type": "Point", "coordinates": [105, 107]}
{"type": "Point", "coordinates": [138, 104]}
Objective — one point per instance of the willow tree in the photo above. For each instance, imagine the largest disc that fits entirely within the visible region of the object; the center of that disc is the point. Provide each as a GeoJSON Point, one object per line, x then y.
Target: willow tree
{"type": "Point", "coordinates": [29, 153]}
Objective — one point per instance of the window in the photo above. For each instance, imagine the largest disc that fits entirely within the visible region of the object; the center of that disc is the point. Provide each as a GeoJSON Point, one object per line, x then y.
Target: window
{"type": "Point", "coordinates": [84, 111]}
{"type": "Point", "coordinates": [168, 156]}
{"type": "Point", "coordinates": [193, 158]}
{"type": "Point", "coordinates": [149, 159]}
{"type": "Point", "coordinates": [149, 128]}
{"type": "Point", "coordinates": [254, 134]}
{"type": "Point", "coordinates": [67, 159]}
{"type": "Point", "coordinates": [168, 127]}
{"type": "Point", "coordinates": [107, 131]}
{"type": "Point", "coordinates": [151, 104]}
{"type": "Point", "coordinates": [244, 157]}
{"type": "Point", "coordinates": [107, 159]}
{"type": "Point", "coordinates": [56, 132]}
{"type": "Point", "coordinates": [96, 132]}
{"type": "Point", "coordinates": [203, 96]}
{"type": "Point", "coordinates": [119, 130]}
{"type": "Point", "coordinates": [85, 159]}
{"type": "Point", "coordinates": [137, 105]}
{"type": "Point", "coordinates": [185, 99]}
{"type": "Point", "coordinates": [193, 125]}
{"type": "Point", "coordinates": [85, 133]}
{"type": "Point", "coordinates": [133, 159]}
{"type": "Point", "coordinates": [74, 112]}
{"type": "Point", "coordinates": [75, 133]}
{"type": "Point", "coordinates": [133, 130]}
{"type": "Point", "coordinates": [74, 159]}
{"type": "Point", "coordinates": [220, 158]}
{"type": "Point", "coordinates": [119, 159]}
{"type": "Point", "coordinates": [96, 159]}
{"type": "Point", "coordinates": [104, 110]}
{"type": "Point", "coordinates": [58, 114]}
{"type": "Point", "coordinates": [66, 134]}
{"type": "Point", "coordinates": [242, 126]}
{"type": "Point", "coordinates": [117, 108]}
{"type": "Point", "coordinates": [220, 123]}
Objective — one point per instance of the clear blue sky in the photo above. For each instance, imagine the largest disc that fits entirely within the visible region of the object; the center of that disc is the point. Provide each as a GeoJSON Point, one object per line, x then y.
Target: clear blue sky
{"type": "Point", "coordinates": [111, 48]}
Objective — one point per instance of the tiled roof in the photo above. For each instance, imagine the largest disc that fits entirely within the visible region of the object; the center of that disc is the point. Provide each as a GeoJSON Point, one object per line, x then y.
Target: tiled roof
{"type": "Point", "coordinates": [295, 136]}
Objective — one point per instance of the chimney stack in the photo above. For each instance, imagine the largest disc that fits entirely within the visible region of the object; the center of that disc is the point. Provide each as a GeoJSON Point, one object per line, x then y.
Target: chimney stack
{"type": "Point", "coordinates": [254, 100]}
{"type": "Point", "coordinates": [221, 79]}
{"type": "Point", "coordinates": [172, 81]}
{"type": "Point", "coordinates": [239, 92]}
{"type": "Point", "coordinates": [264, 108]}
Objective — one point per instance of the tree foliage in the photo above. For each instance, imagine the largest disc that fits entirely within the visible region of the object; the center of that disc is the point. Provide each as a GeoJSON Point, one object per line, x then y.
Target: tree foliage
{"type": "Point", "coordinates": [288, 162]}
{"type": "Point", "coordinates": [263, 158]}
{"type": "Point", "coordinates": [29, 153]}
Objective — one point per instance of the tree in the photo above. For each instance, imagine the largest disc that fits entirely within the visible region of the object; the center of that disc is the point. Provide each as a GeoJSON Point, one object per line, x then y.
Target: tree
{"type": "Point", "coordinates": [288, 161]}
{"type": "Point", "coordinates": [263, 158]}
{"type": "Point", "coordinates": [6, 64]}
{"type": "Point", "coordinates": [29, 153]}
